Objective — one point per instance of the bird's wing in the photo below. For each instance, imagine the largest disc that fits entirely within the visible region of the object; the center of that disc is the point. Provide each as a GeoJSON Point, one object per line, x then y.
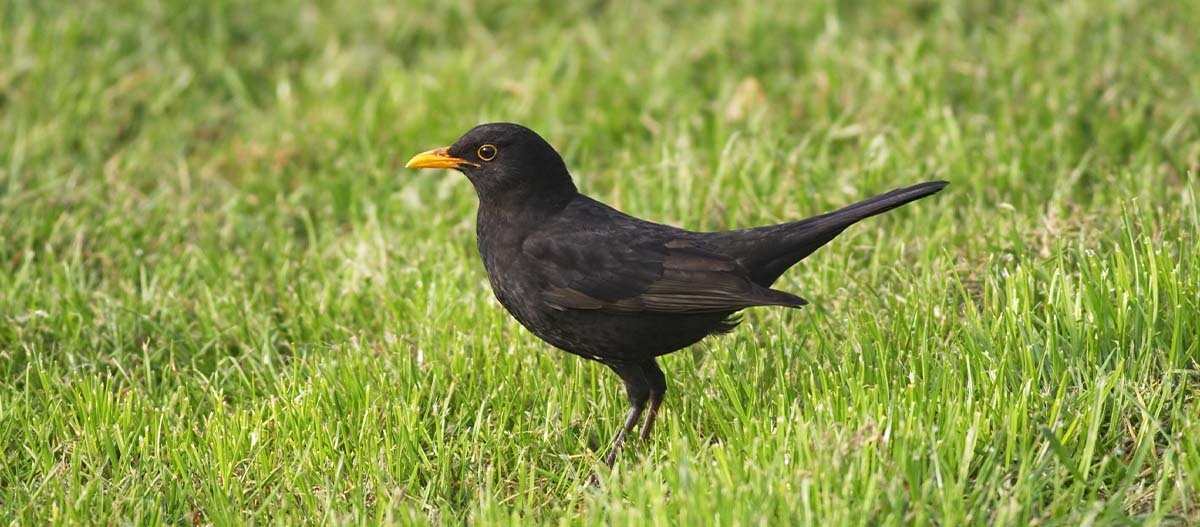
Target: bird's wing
{"type": "Point", "coordinates": [582, 271]}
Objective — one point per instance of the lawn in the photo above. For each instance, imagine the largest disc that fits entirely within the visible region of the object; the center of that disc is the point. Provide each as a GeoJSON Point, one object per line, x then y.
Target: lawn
{"type": "Point", "coordinates": [223, 300]}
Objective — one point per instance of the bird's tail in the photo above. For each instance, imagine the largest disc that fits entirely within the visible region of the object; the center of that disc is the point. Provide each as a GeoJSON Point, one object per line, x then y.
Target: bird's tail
{"type": "Point", "coordinates": [769, 251]}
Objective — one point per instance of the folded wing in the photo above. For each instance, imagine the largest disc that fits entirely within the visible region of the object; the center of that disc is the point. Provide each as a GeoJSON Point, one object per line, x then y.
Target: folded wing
{"type": "Point", "coordinates": [658, 276]}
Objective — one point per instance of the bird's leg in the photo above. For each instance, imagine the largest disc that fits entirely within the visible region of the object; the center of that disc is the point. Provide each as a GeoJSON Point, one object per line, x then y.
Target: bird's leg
{"type": "Point", "coordinates": [658, 388]}
{"type": "Point", "coordinates": [655, 401]}
{"type": "Point", "coordinates": [631, 419]}
{"type": "Point", "coordinates": [637, 388]}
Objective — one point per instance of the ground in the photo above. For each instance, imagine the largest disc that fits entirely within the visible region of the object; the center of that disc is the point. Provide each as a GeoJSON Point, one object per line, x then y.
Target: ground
{"type": "Point", "coordinates": [223, 300]}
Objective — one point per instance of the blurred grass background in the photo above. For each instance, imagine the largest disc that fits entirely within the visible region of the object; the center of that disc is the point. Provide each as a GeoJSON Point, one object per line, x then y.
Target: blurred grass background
{"type": "Point", "coordinates": [223, 300]}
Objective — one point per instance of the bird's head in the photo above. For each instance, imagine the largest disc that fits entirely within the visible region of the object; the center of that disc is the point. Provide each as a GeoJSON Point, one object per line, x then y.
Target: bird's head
{"type": "Point", "coordinates": [505, 162]}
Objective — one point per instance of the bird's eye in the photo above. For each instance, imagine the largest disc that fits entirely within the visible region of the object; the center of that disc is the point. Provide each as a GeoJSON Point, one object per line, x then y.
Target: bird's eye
{"type": "Point", "coordinates": [486, 152]}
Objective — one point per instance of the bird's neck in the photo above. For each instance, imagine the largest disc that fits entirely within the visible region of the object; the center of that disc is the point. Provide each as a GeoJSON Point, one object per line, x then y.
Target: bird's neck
{"type": "Point", "coordinates": [516, 215]}
{"type": "Point", "coordinates": [529, 201]}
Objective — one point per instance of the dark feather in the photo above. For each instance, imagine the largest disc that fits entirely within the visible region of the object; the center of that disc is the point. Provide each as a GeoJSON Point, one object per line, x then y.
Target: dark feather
{"type": "Point", "coordinates": [662, 276]}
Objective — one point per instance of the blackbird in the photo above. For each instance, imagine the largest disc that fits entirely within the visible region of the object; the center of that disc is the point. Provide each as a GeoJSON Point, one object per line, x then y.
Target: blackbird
{"type": "Point", "coordinates": [613, 288]}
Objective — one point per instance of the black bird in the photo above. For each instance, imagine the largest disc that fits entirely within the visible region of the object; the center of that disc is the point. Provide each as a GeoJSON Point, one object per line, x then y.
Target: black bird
{"type": "Point", "coordinates": [613, 288]}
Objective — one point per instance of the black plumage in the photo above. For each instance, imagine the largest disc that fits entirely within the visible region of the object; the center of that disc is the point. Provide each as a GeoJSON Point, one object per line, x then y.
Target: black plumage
{"type": "Point", "coordinates": [610, 287]}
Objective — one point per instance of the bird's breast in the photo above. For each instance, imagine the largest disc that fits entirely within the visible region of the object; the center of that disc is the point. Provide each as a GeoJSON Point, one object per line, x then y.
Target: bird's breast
{"type": "Point", "coordinates": [513, 281]}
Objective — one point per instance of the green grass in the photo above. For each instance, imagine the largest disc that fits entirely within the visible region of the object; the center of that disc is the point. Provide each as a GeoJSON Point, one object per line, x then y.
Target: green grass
{"type": "Point", "coordinates": [223, 300]}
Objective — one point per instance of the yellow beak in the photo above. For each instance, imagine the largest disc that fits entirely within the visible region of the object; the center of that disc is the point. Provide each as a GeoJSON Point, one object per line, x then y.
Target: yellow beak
{"type": "Point", "coordinates": [436, 158]}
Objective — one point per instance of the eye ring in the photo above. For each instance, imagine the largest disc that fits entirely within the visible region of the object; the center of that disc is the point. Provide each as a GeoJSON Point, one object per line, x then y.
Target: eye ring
{"type": "Point", "coordinates": [487, 152]}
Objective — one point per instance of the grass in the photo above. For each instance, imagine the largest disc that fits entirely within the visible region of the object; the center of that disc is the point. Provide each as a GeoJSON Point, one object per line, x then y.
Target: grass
{"type": "Point", "coordinates": [223, 300]}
